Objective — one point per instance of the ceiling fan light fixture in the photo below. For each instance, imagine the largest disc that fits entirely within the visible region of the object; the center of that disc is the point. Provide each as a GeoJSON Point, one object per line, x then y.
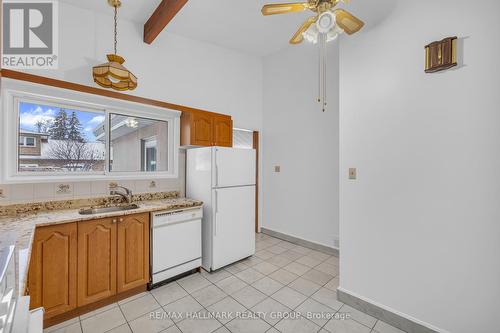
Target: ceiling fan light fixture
{"type": "Point", "coordinates": [312, 34]}
{"type": "Point", "coordinates": [325, 26]}
{"type": "Point", "coordinates": [326, 22]}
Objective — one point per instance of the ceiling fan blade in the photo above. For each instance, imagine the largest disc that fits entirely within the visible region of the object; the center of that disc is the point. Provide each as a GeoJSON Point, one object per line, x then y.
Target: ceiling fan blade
{"type": "Point", "coordinates": [298, 38]}
{"type": "Point", "coordinates": [348, 22]}
{"type": "Point", "coordinates": [282, 8]}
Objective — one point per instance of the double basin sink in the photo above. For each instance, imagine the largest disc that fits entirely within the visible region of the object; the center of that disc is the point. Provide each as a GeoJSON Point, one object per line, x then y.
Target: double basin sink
{"type": "Point", "coordinates": [107, 209]}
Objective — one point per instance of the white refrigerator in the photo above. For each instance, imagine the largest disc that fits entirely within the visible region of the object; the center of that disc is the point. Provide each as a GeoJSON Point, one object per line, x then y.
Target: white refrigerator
{"type": "Point", "coordinates": [224, 179]}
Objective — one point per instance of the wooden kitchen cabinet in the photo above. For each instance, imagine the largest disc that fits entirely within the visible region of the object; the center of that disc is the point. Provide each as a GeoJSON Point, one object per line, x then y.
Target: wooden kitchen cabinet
{"type": "Point", "coordinates": [223, 131]}
{"type": "Point", "coordinates": [133, 252]}
{"type": "Point", "coordinates": [53, 269]}
{"type": "Point", "coordinates": [83, 265]}
{"type": "Point", "coordinates": [96, 260]}
{"type": "Point", "coordinates": [206, 129]}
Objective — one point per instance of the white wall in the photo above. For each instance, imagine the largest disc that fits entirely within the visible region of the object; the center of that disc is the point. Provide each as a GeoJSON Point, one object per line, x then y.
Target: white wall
{"type": "Point", "coordinates": [419, 229]}
{"type": "Point", "coordinates": [173, 69]}
{"type": "Point", "coordinates": [301, 200]}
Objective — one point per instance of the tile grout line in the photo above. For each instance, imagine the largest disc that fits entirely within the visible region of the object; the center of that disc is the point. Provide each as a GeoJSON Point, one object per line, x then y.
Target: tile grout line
{"type": "Point", "coordinates": [372, 329]}
{"type": "Point", "coordinates": [287, 285]}
{"type": "Point", "coordinates": [123, 314]}
{"type": "Point", "coordinates": [199, 302]}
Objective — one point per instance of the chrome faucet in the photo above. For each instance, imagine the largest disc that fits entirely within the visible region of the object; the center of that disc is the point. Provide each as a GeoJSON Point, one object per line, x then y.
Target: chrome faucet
{"type": "Point", "coordinates": [127, 195]}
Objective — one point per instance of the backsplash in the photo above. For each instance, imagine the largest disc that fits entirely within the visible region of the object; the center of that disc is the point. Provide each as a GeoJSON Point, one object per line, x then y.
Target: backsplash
{"type": "Point", "coordinates": [25, 193]}
{"type": "Point", "coordinates": [39, 192]}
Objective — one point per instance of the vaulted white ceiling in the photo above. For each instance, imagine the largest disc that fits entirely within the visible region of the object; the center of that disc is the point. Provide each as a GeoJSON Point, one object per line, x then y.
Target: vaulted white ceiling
{"type": "Point", "coordinates": [236, 24]}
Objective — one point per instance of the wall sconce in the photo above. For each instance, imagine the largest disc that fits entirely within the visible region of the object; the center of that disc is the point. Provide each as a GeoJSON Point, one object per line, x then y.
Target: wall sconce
{"type": "Point", "coordinates": [441, 55]}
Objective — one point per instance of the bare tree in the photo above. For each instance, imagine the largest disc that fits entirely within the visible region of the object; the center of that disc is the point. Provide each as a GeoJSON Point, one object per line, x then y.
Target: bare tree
{"type": "Point", "coordinates": [74, 155]}
{"type": "Point", "coordinates": [43, 126]}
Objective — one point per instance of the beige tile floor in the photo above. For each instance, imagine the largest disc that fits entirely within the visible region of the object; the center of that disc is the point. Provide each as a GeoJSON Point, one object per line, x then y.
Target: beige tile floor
{"type": "Point", "coordinates": [282, 288]}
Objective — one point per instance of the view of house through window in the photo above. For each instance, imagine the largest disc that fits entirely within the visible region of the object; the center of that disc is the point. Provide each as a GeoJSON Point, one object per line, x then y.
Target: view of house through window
{"type": "Point", "coordinates": [55, 139]}
{"type": "Point", "coordinates": [137, 144]}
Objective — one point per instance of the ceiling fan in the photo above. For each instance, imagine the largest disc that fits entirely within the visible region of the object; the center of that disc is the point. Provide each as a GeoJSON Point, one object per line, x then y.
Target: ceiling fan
{"type": "Point", "coordinates": [326, 21]}
{"type": "Point", "coordinates": [323, 27]}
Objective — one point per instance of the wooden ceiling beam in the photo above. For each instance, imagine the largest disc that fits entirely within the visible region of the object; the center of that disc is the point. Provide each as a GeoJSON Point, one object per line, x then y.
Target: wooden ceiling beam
{"type": "Point", "coordinates": [162, 16]}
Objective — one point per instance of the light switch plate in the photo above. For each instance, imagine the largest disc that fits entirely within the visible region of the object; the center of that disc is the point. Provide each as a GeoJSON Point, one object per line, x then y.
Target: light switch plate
{"type": "Point", "coordinates": [277, 168]}
{"type": "Point", "coordinates": [352, 173]}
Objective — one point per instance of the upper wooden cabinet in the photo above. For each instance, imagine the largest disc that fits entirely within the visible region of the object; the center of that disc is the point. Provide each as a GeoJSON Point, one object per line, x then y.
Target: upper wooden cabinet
{"type": "Point", "coordinates": [133, 252]}
{"type": "Point", "coordinates": [52, 272]}
{"type": "Point", "coordinates": [206, 129]}
{"type": "Point", "coordinates": [223, 131]}
{"type": "Point", "coordinates": [96, 260]}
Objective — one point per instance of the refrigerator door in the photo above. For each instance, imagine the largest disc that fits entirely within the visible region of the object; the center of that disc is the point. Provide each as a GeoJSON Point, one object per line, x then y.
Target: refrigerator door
{"type": "Point", "coordinates": [233, 167]}
{"type": "Point", "coordinates": [233, 225]}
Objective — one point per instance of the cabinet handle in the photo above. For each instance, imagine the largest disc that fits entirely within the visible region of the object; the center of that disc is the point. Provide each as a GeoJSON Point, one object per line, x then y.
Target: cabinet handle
{"type": "Point", "coordinates": [120, 219]}
{"type": "Point", "coordinates": [113, 221]}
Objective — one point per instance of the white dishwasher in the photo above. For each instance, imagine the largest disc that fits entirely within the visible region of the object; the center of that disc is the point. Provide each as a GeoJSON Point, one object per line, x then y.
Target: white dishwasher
{"type": "Point", "coordinates": [176, 243]}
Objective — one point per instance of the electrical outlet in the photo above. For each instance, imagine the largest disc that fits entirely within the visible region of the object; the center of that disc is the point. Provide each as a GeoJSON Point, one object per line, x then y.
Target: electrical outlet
{"type": "Point", "coordinates": [2, 195]}
{"type": "Point", "coordinates": [63, 189]}
{"type": "Point", "coordinates": [152, 184]}
{"type": "Point", "coordinates": [352, 173]}
{"type": "Point", "coordinates": [277, 168]}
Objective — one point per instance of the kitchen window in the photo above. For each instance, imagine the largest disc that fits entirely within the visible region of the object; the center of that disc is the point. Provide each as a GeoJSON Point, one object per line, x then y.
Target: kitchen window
{"type": "Point", "coordinates": [49, 138]}
{"type": "Point", "coordinates": [138, 144]}
{"type": "Point", "coordinates": [66, 136]}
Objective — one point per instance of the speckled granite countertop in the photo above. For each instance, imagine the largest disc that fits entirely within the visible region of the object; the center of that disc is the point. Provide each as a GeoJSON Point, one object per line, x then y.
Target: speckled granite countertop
{"type": "Point", "coordinates": [20, 228]}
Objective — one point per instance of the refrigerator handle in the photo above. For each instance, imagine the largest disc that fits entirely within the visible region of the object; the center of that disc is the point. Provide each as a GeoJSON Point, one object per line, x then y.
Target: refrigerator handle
{"type": "Point", "coordinates": [216, 169]}
{"type": "Point", "coordinates": [216, 211]}
{"type": "Point", "coordinates": [216, 175]}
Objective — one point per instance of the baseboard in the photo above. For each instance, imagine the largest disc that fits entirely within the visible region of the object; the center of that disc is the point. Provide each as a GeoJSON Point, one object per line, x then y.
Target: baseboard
{"type": "Point", "coordinates": [385, 314]}
{"type": "Point", "coordinates": [302, 242]}
{"type": "Point", "coordinates": [47, 322]}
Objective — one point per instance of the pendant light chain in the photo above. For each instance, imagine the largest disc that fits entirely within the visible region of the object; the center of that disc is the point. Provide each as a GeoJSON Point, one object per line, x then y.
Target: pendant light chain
{"type": "Point", "coordinates": [116, 28]}
{"type": "Point", "coordinates": [112, 74]}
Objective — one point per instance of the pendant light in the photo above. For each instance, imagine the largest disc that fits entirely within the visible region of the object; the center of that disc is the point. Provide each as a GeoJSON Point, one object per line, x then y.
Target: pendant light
{"type": "Point", "coordinates": [113, 74]}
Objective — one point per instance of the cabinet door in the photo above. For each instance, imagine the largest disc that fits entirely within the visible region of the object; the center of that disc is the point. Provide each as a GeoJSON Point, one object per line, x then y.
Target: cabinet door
{"type": "Point", "coordinates": [52, 272]}
{"type": "Point", "coordinates": [201, 130]}
{"type": "Point", "coordinates": [133, 252]}
{"type": "Point", "coordinates": [223, 131]}
{"type": "Point", "coordinates": [96, 260]}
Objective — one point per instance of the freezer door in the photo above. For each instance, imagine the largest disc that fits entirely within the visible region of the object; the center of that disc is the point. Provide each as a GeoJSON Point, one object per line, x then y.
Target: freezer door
{"type": "Point", "coordinates": [233, 167]}
{"type": "Point", "coordinates": [234, 225]}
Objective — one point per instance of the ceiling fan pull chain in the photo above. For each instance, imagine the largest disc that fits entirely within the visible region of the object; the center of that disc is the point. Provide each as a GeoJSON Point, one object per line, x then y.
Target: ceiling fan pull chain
{"type": "Point", "coordinates": [319, 74]}
{"type": "Point", "coordinates": [325, 51]}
